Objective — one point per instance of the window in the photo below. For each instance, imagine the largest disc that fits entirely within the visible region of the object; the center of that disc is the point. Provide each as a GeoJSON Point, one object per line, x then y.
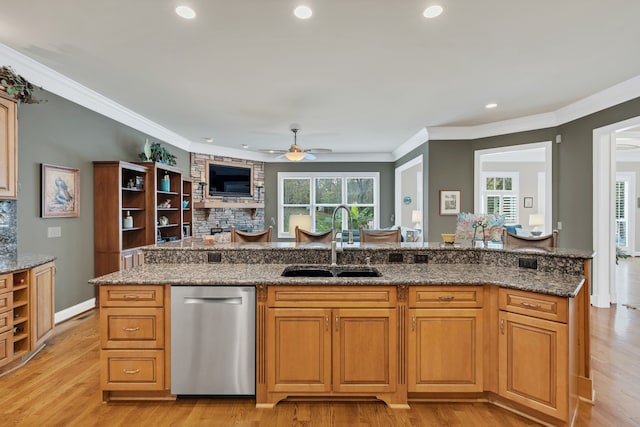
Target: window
{"type": "Point", "coordinates": [318, 194]}
{"type": "Point", "coordinates": [500, 195]}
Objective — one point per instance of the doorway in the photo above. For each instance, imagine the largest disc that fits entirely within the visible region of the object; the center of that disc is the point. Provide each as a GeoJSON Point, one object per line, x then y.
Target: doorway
{"type": "Point", "coordinates": [409, 208]}
{"type": "Point", "coordinates": [604, 209]}
{"type": "Point", "coordinates": [529, 197]}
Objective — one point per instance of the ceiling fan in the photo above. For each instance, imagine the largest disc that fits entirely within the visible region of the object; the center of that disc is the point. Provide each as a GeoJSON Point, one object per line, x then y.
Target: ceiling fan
{"type": "Point", "coordinates": [295, 152]}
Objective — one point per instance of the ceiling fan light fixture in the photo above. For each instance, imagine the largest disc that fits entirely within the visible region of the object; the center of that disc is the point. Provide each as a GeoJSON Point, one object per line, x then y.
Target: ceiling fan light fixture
{"type": "Point", "coordinates": [295, 156]}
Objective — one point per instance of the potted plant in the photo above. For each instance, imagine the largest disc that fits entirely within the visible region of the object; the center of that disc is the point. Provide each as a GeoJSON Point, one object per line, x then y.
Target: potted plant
{"type": "Point", "coordinates": [17, 86]}
{"type": "Point", "coordinates": [154, 152]}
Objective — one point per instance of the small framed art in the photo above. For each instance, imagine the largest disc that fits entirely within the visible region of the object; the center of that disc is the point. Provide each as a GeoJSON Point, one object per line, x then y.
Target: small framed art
{"type": "Point", "coordinates": [450, 202]}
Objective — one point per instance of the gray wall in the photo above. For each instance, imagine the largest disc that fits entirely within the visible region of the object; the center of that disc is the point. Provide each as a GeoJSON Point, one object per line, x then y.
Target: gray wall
{"type": "Point", "coordinates": [387, 179]}
{"type": "Point", "coordinates": [62, 133]}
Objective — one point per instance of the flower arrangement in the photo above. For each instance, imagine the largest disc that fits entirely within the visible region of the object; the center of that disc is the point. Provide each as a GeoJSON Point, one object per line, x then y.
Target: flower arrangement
{"type": "Point", "coordinates": [17, 86]}
{"type": "Point", "coordinates": [154, 152]}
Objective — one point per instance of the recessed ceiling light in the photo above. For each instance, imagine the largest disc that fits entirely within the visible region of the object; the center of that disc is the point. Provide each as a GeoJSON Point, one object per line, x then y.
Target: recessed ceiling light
{"type": "Point", "coordinates": [491, 105]}
{"type": "Point", "coordinates": [303, 12]}
{"type": "Point", "coordinates": [432, 11]}
{"type": "Point", "coordinates": [185, 12]}
{"type": "Point", "coordinates": [207, 139]}
{"type": "Point", "coordinates": [245, 146]}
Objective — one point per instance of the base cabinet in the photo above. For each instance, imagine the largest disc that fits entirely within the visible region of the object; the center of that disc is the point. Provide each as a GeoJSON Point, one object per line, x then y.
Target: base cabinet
{"type": "Point", "coordinates": [26, 313]}
{"type": "Point", "coordinates": [131, 258]}
{"type": "Point", "coordinates": [534, 352]}
{"type": "Point", "coordinates": [42, 280]}
{"type": "Point", "coordinates": [134, 355]}
{"type": "Point", "coordinates": [325, 341]}
{"type": "Point", "coordinates": [445, 339]}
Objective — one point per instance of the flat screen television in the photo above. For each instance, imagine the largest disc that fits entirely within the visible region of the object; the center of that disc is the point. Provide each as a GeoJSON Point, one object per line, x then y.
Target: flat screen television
{"type": "Point", "coordinates": [229, 180]}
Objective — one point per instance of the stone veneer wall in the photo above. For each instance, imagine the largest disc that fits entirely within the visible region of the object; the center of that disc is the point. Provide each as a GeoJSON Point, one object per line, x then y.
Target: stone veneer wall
{"type": "Point", "coordinates": [205, 219]}
{"type": "Point", "coordinates": [8, 228]}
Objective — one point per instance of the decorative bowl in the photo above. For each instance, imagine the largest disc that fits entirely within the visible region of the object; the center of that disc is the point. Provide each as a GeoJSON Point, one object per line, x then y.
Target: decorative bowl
{"type": "Point", "coordinates": [448, 238]}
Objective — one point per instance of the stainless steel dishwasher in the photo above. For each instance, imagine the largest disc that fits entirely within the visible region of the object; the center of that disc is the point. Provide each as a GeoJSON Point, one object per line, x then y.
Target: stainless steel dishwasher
{"type": "Point", "coordinates": [213, 340]}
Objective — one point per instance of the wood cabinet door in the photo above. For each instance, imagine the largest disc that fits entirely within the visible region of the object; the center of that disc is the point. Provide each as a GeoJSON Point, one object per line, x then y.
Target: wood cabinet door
{"type": "Point", "coordinates": [533, 363]}
{"type": "Point", "coordinates": [299, 350]}
{"type": "Point", "coordinates": [8, 149]}
{"type": "Point", "coordinates": [42, 282]}
{"type": "Point", "coordinates": [365, 344]}
{"type": "Point", "coordinates": [445, 350]}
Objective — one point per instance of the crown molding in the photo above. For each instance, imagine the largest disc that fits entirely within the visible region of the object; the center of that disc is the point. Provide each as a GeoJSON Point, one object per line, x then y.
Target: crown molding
{"type": "Point", "coordinates": [73, 91]}
{"type": "Point", "coordinates": [622, 92]}
{"type": "Point", "coordinates": [421, 137]}
{"type": "Point", "coordinates": [60, 85]}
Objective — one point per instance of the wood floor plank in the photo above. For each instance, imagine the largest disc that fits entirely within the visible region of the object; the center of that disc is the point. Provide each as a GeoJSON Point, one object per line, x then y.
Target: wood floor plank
{"type": "Point", "coordinates": [60, 387]}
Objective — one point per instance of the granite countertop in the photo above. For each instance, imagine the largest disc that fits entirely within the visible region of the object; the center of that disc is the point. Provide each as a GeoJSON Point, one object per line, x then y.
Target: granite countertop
{"type": "Point", "coordinates": [197, 244]}
{"type": "Point", "coordinates": [563, 285]}
{"type": "Point", "coordinates": [10, 264]}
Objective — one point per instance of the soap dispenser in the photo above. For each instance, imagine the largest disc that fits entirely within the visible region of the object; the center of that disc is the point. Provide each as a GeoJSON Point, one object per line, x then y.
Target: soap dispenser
{"type": "Point", "coordinates": [128, 221]}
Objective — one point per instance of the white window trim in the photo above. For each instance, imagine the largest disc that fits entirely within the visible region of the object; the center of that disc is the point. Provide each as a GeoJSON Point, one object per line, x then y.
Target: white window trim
{"type": "Point", "coordinates": [311, 175]}
{"type": "Point", "coordinates": [514, 192]}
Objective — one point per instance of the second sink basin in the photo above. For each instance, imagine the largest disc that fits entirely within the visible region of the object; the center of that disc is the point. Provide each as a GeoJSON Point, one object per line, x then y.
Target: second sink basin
{"type": "Point", "coordinates": [330, 271]}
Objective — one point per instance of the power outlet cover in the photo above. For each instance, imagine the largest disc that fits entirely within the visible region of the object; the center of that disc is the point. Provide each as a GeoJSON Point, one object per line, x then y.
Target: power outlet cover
{"type": "Point", "coordinates": [531, 263]}
{"type": "Point", "coordinates": [214, 257]}
{"type": "Point", "coordinates": [396, 257]}
{"type": "Point", "coordinates": [420, 258]}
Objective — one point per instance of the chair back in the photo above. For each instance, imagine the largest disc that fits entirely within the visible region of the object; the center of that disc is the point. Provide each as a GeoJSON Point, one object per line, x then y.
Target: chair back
{"type": "Point", "coordinates": [250, 237]}
{"type": "Point", "coordinates": [550, 241]}
{"type": "Point", "coordinates": [379, 236]}
{"type": "Point", "coordinates": [305, 236]}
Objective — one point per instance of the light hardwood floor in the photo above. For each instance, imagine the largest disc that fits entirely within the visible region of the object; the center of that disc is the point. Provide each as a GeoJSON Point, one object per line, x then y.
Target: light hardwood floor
{"type": "Point", "coordinates": [60, 387]}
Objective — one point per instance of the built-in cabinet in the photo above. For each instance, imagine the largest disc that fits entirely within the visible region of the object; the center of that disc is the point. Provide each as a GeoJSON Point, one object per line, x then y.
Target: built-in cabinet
{"type": "Point", "coordinates": [445, 339]}
{"type": "Point", "coordinates": [134, 341]}
{"type": "Point", "coordinates": [26, 313]}
{"type": "Point", "coordinates": [331, 341]}
{"type": "Point", "coordinates": [134, 205]}
{"type": "Point", "coordinates": [123, 211]}
{"type": "Point", "coordinates": [8, 148]}
{"type": "Point", "coordinates": [535, 352]}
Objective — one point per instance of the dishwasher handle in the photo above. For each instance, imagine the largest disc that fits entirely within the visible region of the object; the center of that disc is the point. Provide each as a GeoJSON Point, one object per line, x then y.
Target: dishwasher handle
{"type": "Point", "coordinates": [213, 300]}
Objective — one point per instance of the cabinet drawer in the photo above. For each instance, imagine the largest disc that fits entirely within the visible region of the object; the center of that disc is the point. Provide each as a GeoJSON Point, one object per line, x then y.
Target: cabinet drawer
{"type": "Point", "coordinates": [543, 306]}
{"type": "Point", "coordinates": [132, 327]}
{"type": "Point", "coordinates": [132, 369]}
{"type": "Point", "coordinates": [329, 297]}
{"type": "Point", "coordinates": [6, 302]}
{"type": "Point", "coordinates": [5, 282]}
{"type": "Point", "coordinates": [446, 296]}
{"type": "Point", "coordinates": [5, 321]}
{"type": "Point", "coordinates": [131, 296]}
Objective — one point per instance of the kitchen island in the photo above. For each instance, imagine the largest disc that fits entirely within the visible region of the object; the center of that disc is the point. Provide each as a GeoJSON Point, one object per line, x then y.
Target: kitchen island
{"type": "Point", "coordinates": [439, 323]}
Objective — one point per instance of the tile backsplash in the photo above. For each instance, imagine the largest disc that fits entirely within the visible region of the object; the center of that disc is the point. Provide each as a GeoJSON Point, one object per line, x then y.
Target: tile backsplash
{"type": "Point", "coordinates": [8, 228]}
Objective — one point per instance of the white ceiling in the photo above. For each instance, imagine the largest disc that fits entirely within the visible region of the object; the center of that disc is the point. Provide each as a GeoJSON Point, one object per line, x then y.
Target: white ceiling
{"type": "Point", "coordinates": [359, 76]}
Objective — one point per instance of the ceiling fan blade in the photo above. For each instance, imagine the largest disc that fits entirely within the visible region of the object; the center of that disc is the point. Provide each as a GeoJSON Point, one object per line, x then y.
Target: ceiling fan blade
{"type": "Point", "coordinates": [318, 150]}
{"type": "Point", "coordinates": [271, 151]}
{"type": "Point", "coordinates": [309, 156]}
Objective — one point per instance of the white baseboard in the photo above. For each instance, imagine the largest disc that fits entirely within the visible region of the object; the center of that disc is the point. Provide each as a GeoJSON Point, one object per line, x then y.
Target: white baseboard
{"type": "Point", "coordinates": [68, 313]}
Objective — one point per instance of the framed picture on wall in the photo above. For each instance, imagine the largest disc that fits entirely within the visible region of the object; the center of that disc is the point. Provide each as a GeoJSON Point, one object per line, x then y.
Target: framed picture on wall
{"type": "Point", "coordinates": [60, 192]}
{"type": "Point", "coordinates": [450, 202]}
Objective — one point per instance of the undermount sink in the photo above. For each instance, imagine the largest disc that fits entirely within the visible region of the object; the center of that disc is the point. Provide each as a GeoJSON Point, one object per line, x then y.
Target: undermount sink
{"type": "Point", "coordinates": [330, 271]}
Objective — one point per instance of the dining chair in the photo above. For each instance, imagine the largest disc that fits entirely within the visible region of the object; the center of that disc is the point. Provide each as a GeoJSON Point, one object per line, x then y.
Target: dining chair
{"type": "Point", "coordinates": [305, 236]}
{"type": "Point", "coordinates": [550, 241]}
{"type": "Point", "coordinates": [250, 237]}
{"type": "Point", "coordinates": [379, 236]}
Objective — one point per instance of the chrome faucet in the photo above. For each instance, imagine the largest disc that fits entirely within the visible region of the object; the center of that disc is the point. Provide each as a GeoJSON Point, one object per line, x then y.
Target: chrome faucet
{"type": "Point", "coordinates": [334, 256]}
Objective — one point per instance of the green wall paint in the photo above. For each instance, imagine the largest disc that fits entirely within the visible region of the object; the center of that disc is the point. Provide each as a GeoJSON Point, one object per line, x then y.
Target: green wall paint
{"type": "Point", "coordinates": [271, 170]}
{"type": "Point", "coordinates": [62, 133]}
